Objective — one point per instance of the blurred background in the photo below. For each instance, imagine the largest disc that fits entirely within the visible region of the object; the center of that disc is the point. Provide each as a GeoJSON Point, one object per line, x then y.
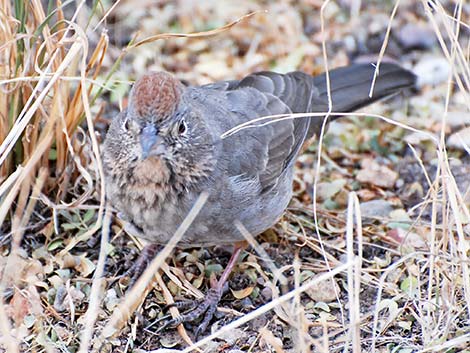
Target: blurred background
{"type": "Point", "coordinates": [66, 69]}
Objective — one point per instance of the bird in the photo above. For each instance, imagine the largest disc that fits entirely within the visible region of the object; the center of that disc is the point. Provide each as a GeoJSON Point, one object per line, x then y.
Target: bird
{"type": "Point", "coordinates": [168, 147]}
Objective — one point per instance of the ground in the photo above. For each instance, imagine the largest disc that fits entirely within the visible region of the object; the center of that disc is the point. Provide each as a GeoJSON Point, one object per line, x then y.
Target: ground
{"type": "Point", "coordinates": [381, 200]}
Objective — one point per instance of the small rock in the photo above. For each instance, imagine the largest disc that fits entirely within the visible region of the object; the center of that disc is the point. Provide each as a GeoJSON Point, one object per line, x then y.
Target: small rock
{"type": "Point", "coordinates": [466, 229]}
{"type": "Point", "coordinates": [458, 118]}
{"type": "Point", "coordinates": [432, 71]}
{"type": "Point", "coordinates": [246, 303]}
{"type": "Point", "coordinates": [400, 215]}
{"type": "Point", "coordinates": [267, 293]}
{"type": "Point", "coordinates": [60, 303]}
{"type": "Point", "coordinates": [170, 339]}
{"type": "Point", "coordinates": [326, 190]}
{"type": "Point", "coordinates": [111, 299]}
{"type": "Point", "coordinates": [416, 138]}
{"type": "Point", "coordinates": [415, 241]}
{"type": "Point", "coordinates": [416, 36]}
{"type": "Point", "coordinates": [232, 336]}
{"type": "Point", "coordinates": [331, 10]}
{"type": "Point", "coordinates": [460, 139]}
{"type": "Point", "coordinates": [374, 209]}
{"type": "Point", "coordinates": [324, 291]}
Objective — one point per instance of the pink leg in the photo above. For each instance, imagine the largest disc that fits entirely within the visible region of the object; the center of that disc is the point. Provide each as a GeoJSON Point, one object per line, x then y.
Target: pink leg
{"type": "Point", "coordinates": [206, 307]}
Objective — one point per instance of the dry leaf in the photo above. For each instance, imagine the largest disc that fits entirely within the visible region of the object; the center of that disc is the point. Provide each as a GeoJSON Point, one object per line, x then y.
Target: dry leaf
{"type": "Point", "coordinates": [242, 293]}
{"type": "Point", "coordinates": [376, 174]}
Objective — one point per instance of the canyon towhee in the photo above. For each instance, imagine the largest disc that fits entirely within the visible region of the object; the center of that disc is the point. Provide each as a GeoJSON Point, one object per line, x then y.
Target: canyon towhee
{"type": "Point", "coordinates": [166, 148]}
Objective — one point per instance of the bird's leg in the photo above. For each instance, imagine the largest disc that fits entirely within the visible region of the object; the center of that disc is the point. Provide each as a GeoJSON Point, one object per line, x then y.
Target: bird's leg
{"type": "Point", "coordinates": [146, 256]}
{"type": "Point", "coordinates": [207, 306]}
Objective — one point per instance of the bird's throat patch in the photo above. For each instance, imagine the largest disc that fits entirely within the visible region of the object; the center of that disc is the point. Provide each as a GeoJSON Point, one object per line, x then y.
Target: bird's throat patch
{"type": "Point", "coordinates": [152, 170]}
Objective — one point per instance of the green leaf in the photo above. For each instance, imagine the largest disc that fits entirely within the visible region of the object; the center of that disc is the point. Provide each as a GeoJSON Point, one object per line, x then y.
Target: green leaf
{"type": "Point", "coordinates": [329, 204]}
{"type": "Point", "coordinates": [52, 154]}
{"type": "Point", "coordinates": [410, 286]}
{"type": "Point", "coordinates": [57, 243]}
{"type": "Point", "coordinates": [69, 226]}
{"type": "Point", "coordinates": [88, 215]}
{"type": "Point", "coordinates": [255, 293]}
{"type": "Point", "coordinates": [393, 225]}
{"type": "Point", "coordinates": [213, 268]}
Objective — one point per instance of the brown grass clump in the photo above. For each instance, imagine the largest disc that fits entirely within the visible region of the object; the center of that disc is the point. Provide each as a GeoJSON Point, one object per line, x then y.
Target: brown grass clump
{"type": "Point", "coordinates": [47, 81]}
{"type": "Point", "coordinates": [49, 149]}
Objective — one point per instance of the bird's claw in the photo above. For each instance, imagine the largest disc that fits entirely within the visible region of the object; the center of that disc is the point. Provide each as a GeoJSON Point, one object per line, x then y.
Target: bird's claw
{"type": "Point", "coordinates": [138, 267]}
{"type": "Point", "coordinates": [195, 309]}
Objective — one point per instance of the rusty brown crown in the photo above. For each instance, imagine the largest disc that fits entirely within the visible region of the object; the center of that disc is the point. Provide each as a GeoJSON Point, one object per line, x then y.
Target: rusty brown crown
{"type": "Point", "coordinates": [155, 96]}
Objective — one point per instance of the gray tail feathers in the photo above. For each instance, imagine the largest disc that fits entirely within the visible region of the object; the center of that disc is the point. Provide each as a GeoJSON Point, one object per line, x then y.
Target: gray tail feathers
{"type": "Point", "coordinates": [350, 86]}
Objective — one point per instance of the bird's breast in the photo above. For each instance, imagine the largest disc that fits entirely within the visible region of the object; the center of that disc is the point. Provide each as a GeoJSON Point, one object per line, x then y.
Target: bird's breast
{"type": "Point", "coordinates": [152, 170]}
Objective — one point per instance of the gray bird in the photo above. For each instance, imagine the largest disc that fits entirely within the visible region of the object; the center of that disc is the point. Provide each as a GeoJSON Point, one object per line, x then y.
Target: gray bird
{"type": "Point", "coordinates": [166, 148]}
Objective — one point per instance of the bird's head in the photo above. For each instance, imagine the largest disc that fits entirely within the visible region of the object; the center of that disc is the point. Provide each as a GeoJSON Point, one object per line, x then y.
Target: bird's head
{"type": "Point", "coordinates": [160, 137]}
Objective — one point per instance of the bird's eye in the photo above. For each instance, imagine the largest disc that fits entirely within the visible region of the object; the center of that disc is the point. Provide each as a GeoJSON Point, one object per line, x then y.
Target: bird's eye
{"type": "Point", "coordinates": [125, 125]}
{"type": "Point", "coordinates": [182, 127]}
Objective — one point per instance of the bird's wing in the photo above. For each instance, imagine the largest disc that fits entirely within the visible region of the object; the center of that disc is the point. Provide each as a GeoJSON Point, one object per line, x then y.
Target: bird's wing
{"type": "Point", "coordinates": [264, 151]}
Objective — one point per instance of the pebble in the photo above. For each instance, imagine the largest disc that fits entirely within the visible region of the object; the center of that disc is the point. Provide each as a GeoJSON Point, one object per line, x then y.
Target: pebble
{"type": "Point", "coordinates": [432, 71]}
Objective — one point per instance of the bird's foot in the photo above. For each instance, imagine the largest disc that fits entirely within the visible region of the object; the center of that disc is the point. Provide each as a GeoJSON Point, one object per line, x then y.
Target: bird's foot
{"type": "Point", "coordinates": [194, 309]}
{"type": "Point", "coordinates": [138, 267]}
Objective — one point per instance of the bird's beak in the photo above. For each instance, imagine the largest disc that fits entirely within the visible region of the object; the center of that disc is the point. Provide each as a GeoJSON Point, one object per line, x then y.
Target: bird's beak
{"type": "Point", "coordinates": [148, 139]}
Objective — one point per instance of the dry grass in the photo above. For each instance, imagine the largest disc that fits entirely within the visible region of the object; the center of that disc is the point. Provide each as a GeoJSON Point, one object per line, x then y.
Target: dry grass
{"type": "Point", "coordinates": [64, 68]}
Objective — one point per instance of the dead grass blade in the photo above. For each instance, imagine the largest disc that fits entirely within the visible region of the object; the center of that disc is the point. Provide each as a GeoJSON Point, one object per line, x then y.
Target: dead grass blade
{"type": "Point", "coordinates": [196, 34]}
{"type": "Point", "coordinates": [96, 288]}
